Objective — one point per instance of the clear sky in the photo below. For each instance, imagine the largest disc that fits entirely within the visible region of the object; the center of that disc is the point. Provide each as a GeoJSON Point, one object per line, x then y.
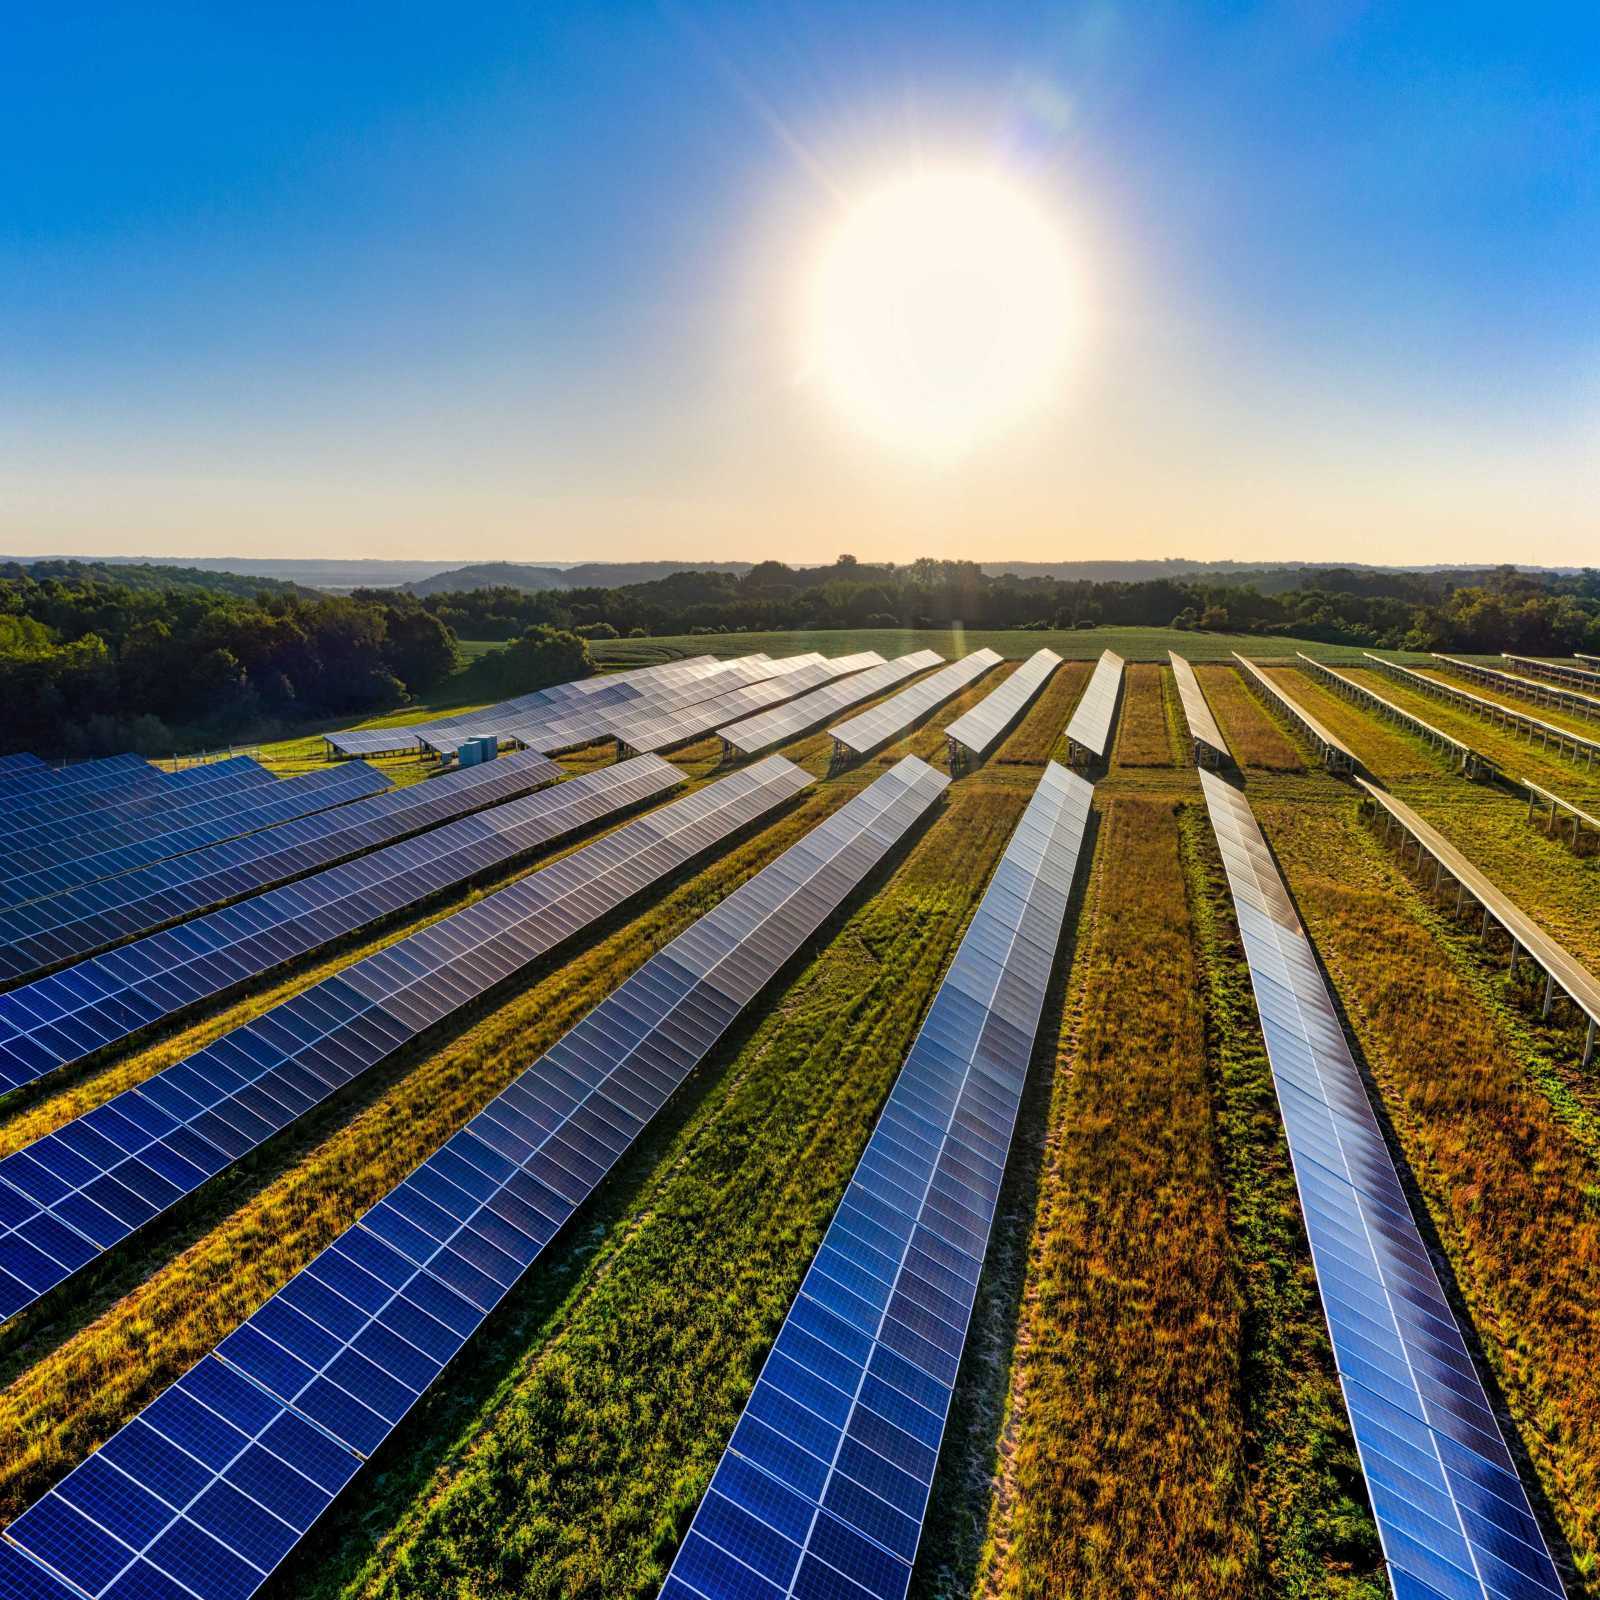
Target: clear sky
{"type": "Point", "coordinates": [525, 281]}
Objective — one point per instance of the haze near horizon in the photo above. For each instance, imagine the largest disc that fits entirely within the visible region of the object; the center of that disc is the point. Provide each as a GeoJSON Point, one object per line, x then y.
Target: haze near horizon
{"type": "Point", "coordinates": [1285, 282]}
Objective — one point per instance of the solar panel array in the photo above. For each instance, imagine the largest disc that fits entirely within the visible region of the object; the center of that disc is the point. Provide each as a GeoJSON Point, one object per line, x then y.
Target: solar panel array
{"type": "Point", "coordinates": [447, 732]}
{"type": "Point", "coordinates": [228, 816]}
{"type": "Point", "coordinates": [70, 1014]}
{"type": "Point", "coordinates": [863, 734]}
{"type": "Point", "coordinates": [1210, 748]}
{"type": "Point", "coordinates": [1095, 715]}
{"type": "Point", "coordinates": [1452, 1514]}
{"type": "Point", "coordinates": [48, 932]}
{"type": "Point", "coordinates": [975, 731]}
{"type": "Point", "coordinates": [1467, 760]}
{"type": "Point", "coordinates": [1565, 741]}
{"type": "Point", "coordinates": [89, 786]}
{"type": "Point", "coordinates": [782, 723]}
{"type": "Point", "coordinates": [823, 1488]}
{"type": "Point", "coordinates": [22, 761]}
{"type": "Point", "coordinates": [148, 811]}
{"type": "Point", "coordinates": [1541, 693]}
{"type": "Point", "coordinates": [70, 1196]}
{"type": "Point", "coordinates": [1336, 755]}
{"type": "Point", "coordinates": [217, 1479]}
{"type": "Point", "coordinates": [1560, 671]}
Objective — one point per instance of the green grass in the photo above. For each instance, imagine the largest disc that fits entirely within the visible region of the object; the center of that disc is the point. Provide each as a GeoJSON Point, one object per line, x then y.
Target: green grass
{"type": "Point", "coordinates": [1134, 644]}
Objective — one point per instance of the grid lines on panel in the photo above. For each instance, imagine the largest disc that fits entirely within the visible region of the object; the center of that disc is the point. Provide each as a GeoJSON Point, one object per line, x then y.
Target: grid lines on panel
{"type": "Point", "coordinates": [1197, 715]}
{"type": "Point", "coordinates": [76, 1192]}
{"type": "Point", "coordinates": [1452, 1514]}
{"type": "Point", "coordinates": [824, 1485]}
{"type": "Point", "coordinates": [322, 1373]}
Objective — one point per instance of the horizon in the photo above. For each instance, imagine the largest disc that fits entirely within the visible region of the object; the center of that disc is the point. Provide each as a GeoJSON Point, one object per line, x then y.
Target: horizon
{"type": "Point", "coordinates": [384, 283]}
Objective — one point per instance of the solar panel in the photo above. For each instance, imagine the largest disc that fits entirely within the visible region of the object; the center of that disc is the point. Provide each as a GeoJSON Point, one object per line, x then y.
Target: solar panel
{"type": "Point", "coordinates": [1547, 734]}
{"type": "Point", "coordinates": [47, 932]}
{"type": "Point", "coordinates": [678, 727]}
{"type": "Point", "coordinates": [1467, 760]}
{"type": "Point", "coordinates": [77, 791]}
{"type": "Point", "coordinates": [73, 1013]}
{"type": "Point", "coordinates": [1560, 671]}
{"type": "Point", "coordinates": [1452, 1514]}
{"type": "Point", "coordinates": [224, 817]}
{"type": "Point", "coordinates": [31, 783]}
{"type": "Point", "coordinates": [227, 781]}
{"type": "Point", "coordinates": [214, 1482]}
{"type": "Point", "coordinates": [1336, 756]}
{"type": "Point", "coordinates": [1210, 748]}
{"type": "Point", "coordinates": [863, 734]}
{"type": "Point", "coordinates": [823, 1488]}
{"type": "Point", "coordinates": [974, 731]}
{"type": "Point", "coordinates": [90, 1184]}
{"type": "Point", "coordinates": [597, 690]}
{"type": "Point", "coordinates": [22, 761]}
{"type": "Point", "coordinates": [1544, 694]}
{"type": "Point", "coordinates": [754, 734]}
{"type": "Point", "coordinates": [1095, 715]}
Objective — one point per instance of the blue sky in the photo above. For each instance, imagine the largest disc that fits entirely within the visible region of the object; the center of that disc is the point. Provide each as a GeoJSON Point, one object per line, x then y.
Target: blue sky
{"type": "Point", "coordinates": [521, 281]}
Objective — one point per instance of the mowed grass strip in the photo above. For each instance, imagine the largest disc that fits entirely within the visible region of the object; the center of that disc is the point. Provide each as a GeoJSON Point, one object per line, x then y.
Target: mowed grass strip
{"type": "Point", "coordinates": [594, 1435]}
{"type": "Point", "coordinates": [259, 1230]}
{"type": "Point", "coordinates": [1258, 743]}
{"type": "Point", "coordinates": [1318, 1539]}
{"type": "Point", "coordinates": [1036, 735]}
{"type": "Point", "coordinates": [1509, 1189]}
{"type": "Point", "coordinates": [1124, 1457]}
{"type": "Point", "coordinates": [1385, 748]}
{"type": "Point", "coordinates": [1142, 737]}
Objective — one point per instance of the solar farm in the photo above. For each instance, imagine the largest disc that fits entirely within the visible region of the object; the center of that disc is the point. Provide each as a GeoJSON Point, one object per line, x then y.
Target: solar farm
{"type": "Point", "coordinates": [848, 1125]}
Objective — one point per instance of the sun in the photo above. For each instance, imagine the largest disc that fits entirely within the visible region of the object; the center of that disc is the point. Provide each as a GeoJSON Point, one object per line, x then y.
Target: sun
{"type": "Point", "coordinates": [943, 310]}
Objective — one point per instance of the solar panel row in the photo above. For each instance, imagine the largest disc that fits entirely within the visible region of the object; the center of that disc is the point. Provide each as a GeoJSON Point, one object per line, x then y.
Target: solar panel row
{"type": "Point", "coordinates": [1568, 697]}
{"type": "Point", "coordinates": [1210, 748]}
{"type": "Point", "coordinates": [975, 731]}
{"type": "Point", "coordinates": [824, 1486]}
{"type": "Point", "coordinates": [22, 761]}
{"type": "Point", "coordinates": [863, 734]}
{"type": "Point", "coordinates": [1095, 715]}
{"type": "Point", "coordinates": [67, 1198]}
{"type": "Point", "coordinates": [1452, 1514]}
{"type": "Point", "coordinates": [90, 786]}
{"type": "Point", "coordinates": [1547, 734]}
{"type": "Point", "coordinates": [1464, 758]}
{"type": "Point", "coordinates": [219, 1477]}
{"type": "Point", "coordinates": [754, 734]}
{"type": "Point", "coordinates": [602, 690]}
{"type": "Point", "coordinates": [1586, 678]}
{"type": "Point", "coordinates": [678, 727]}
{"type": "Point", "coordinates": [48, 932]}
{"type": "Point", "coordinates": [73, 1013]}
{"type": "Point", "coordinates": [225, 817]}
{"type": "Point", "coordinates": [217, 780]}
{"type": "Point", "coordinates": [1336, 756]}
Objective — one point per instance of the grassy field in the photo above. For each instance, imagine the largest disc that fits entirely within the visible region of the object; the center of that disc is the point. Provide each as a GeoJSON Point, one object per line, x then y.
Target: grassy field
{"type": "Point", "coordinates": [1082, 644]}
{"type": "Point", "coordinates": [1148, 1402]}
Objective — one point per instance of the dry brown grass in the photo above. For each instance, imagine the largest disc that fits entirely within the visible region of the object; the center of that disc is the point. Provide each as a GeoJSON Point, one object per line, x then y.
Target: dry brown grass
{"type": "Point", "coordinates": [1142, 735]}
{"type": "Point", "coordinates": [1257, 742]}
{"type": "Point", "coordinates": [1126, 1453]}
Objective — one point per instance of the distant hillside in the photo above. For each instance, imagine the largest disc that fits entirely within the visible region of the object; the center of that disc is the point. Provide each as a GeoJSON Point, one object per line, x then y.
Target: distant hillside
{"type": "Point", "coordinates": [1267, 574]}
{"type": "Point", "coordinates": [311, 574]}
{"type": "Point", "coordinates": [149, 577]}
{"type": "Point", "coordinates": [593, 574]}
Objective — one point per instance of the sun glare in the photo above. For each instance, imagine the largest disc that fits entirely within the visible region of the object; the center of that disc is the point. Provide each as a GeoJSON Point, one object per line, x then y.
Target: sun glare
{"type": "Point", "coordinates": [943, 310]}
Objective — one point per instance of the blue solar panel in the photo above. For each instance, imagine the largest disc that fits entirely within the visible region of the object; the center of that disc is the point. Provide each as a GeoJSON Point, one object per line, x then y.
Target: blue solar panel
{"type": "Point", "coordinates": [350, 1343]}
{"type": "Point", "coordinates": [77, 790]}
{"type": "Point", "coordinates": [46, 933]}
{"type": "Point", "coordinates": [73, 1013]}
{"type": "Point", "coordinates": [82, 1189]}
{"type": "Point", "coordinates": [824, 1485]}
{"type": "Point", "coordinates": [43, 872]}
{"type": "Point", "coordinates": [23, 762]}
{"type": "Point", "coordinates": [1452, 1514]}
{"type": "Point", "coordinates": [132, 819]}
